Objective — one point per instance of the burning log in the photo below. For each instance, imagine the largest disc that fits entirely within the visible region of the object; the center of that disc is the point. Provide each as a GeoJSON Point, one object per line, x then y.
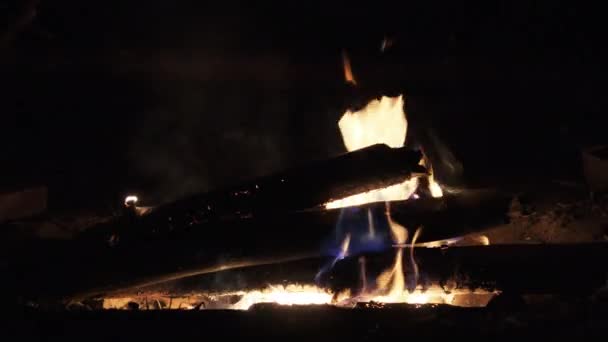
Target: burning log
{"type": "Point", "coordinates": [304, 188]}
{"type": "Point", "coordinates": [308, 186]}
{"type": "Point", "coordinates": [514, 269]}
{"type": "Point", "coordinates": [462, 276]}
{"type": "Point", "coordinates": [89, 268]}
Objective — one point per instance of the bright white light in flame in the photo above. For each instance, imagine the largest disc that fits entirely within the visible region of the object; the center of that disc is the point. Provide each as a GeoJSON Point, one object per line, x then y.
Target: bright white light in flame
{"type": "Point", "coordinates": [395, 192]}
{"type": "Point", "coordinates": [344, 248]}
{"type": "Point", "coordinates": [295, 294]}
{"type": "Point", "coordinates": [380, 122]}
{"type": "Point", "coordinates": [131, 200]}
{"type": "Point", "coordinates": [433, 295]}
{"type": "Point", "coordinates": [484, 240]}
{"type": "Point", "coordinates": [285, 295]}
{"type": "Point", "coordinates": [434, 187]}
{"type": "Point", "coordinates": [412, 259]}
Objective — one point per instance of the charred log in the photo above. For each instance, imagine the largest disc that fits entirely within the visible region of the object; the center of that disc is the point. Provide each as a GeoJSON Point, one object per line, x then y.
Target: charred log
{"type": "Point", "coordinates": [90, 267]}
{"type": "Point", "coordinates": [303, 187]}
{"type": "Point", "coordinates": [517, 269]}
{"type": "Point", "coordinates": [511, 269]}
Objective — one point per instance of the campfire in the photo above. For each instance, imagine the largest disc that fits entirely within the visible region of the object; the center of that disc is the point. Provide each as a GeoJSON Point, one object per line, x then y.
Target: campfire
{"type": "Point", "coordinates": [382, 121]}
{"type": "Point", "coordinates": [368, 228]}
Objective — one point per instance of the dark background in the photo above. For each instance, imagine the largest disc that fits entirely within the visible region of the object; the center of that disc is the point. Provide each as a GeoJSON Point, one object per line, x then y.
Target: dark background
{"type": "Point", "coordinates": [162, 98]}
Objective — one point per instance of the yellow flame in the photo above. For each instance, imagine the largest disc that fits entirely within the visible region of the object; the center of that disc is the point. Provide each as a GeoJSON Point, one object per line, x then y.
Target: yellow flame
{"type": "Point", "coordinates": [412, 259]}
{"type": "Point", "coordinates": [434, 187]}
{"type": "Point", "coordinates": [392, 280]}
{"type": "Point", "coordinates": [382, 121]}
{"type": "Point", "coordinates": [296, 294]}
{"type": "Point", "coordinates": [348, 72]}
{"type": "Point", "coordinates": [395, 192]}
{"type": "Point", "coordinates": [285, 295]}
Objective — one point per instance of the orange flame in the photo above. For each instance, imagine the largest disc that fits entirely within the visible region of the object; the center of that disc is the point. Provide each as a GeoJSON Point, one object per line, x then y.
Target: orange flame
{"type": "Point", "coordinates": [348, 72]}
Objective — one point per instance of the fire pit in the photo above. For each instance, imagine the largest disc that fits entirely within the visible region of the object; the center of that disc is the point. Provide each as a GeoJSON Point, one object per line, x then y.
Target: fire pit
{"type": "Point", "coordinates": [389, 237]}
{"type": "Point", "coordinates": [375, 230]}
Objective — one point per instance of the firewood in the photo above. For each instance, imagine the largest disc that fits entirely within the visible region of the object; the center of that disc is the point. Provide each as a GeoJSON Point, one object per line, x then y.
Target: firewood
{"type": "Point", "coordinates": [93, 267]}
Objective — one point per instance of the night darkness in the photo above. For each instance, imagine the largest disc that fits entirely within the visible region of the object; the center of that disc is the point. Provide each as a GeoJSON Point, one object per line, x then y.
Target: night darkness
{"type": "Point", "coordinates": [169, 97]}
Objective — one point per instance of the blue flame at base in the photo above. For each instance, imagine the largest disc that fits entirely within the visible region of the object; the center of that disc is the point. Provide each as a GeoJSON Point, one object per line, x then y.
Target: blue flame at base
{"type": "Point", "coordinates": [369, 232]}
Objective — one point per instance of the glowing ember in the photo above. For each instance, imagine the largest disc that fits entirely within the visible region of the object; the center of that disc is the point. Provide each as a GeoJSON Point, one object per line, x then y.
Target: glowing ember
{"type": "Point", "coordinates": [285, 295]}
{"type": "Point", "coordinates": [380, 122]}
{"type": "Point", "coordinates": [391, 193]}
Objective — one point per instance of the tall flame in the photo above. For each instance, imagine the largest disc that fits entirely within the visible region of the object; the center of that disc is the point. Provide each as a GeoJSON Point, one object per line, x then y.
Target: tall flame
{"type": "Point", "coordinates": [285, 295]}
{"type": "Point", "coordinates": [393, 279]}
{"type": "Point", "coordinates": [434, 187]}
{"type": "Point", "coordinates": [370, 225]}
{"type": "Point", "coordinates": [348, 72]}
{"type": "Point", "coordinates": [412, 259]}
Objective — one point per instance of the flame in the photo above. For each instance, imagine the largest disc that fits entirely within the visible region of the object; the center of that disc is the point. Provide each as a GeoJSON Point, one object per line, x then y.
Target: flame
{"type": "Point", "coordinates": [348, 72]}
{"type": "Point", "coordinates": [484, 240]}
{"type": "Point", "coordinates": [341, 255]}
{"type": "Point", "coordinates": [393, 279]}
{"type": "Point", "coordinates": [412, 259]}
{"type": "Point", "coordinates": [434, 187]}
{"type": "Point", "coordinates": [344, 248]}
{"type": "Point", "coordinates": [285, 295]}
{"type": "Point", "coordinates": [395, 192]}
{"type": "Point", "coordinates": [131, 200]}
{"type": "Point", "coordinates": [390, 288]}
{"type": "Point", "coordinates": [380, 122]}
{"type": "Point", "coordinates": [370, 225]}
{"type": "Point", "coordinates": [296, 294]}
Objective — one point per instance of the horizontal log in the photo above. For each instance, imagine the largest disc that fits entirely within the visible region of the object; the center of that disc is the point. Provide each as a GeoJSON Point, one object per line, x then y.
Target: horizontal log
{"type": "Point", "coordinates": [510, 269]}
{"type": "Point", "coordinates": [92, 267]}
{"type": "Point", "coordinates": [574, 270]}
{"type": "Point", "coordinates": [302, 187]}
